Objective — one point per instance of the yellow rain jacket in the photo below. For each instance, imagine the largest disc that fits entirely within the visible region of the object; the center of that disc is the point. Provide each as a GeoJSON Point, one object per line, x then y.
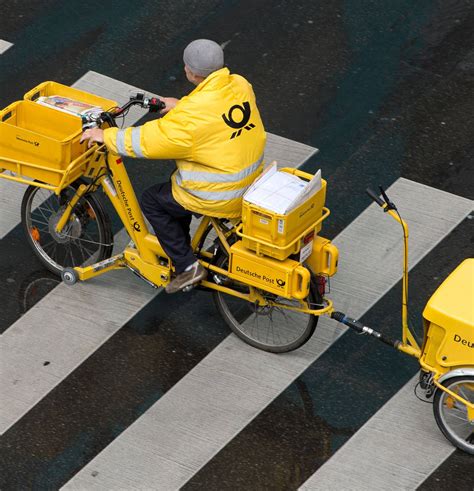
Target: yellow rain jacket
{"type": "Point", "coordinates": [217, 138]}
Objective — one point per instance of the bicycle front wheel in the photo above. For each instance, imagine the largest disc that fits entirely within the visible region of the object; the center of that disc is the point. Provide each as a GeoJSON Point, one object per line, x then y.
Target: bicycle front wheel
{"type": "Point", "coordinates": [86, 238]}
{"type": "Point", "coordinates": [270, 328]}
{"type": "Point", "coordinates": [451, 414]}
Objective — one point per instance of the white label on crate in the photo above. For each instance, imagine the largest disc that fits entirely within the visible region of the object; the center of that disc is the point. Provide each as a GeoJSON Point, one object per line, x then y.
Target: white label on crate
{"type": "Point", "coordinates": [281, 226]}
{"type": "Point", "coordinates": [306, 251]}
{"type": "Point", "coordinates": [263, 221]}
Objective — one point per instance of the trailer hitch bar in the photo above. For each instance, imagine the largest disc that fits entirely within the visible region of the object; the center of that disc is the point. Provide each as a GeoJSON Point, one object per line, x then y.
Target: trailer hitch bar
{"type": "Point", "coordinates": [361, 329]}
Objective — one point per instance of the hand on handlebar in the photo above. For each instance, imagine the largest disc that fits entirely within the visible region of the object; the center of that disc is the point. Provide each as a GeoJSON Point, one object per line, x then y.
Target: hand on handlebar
{"type": "Point", "coordinates": [170, 103]}
{"type": "Point", "coordinates": [94, 135]}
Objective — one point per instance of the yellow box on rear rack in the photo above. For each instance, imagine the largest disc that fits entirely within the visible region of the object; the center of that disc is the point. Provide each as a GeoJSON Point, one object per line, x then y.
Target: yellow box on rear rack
{"type": "Point", "coordinates": [286, 278]}
{"type": "Point", "coordinates": [279, 236]}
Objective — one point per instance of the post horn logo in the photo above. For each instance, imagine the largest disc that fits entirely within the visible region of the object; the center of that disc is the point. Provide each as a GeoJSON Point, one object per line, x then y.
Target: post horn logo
{"type": "Point", "coordinates": [238, 125]}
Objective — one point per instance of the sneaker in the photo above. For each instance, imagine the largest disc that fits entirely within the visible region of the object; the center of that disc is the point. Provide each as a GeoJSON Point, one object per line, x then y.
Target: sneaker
{"type": "Point", "coordinates": [186, 278]}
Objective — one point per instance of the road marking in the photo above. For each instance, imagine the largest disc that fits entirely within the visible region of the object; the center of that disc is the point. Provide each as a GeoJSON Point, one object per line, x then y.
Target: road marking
{"type": "Point", "coordinates": [11, 194]}
{"type": "Point", "coordinates": [398, 448]}
{"type": "Point", "coordinates": [4, 45]}
{"type": "Point", "coordinates": [116, 297]}
{"type": "Point", "coordinates": [183, 431]}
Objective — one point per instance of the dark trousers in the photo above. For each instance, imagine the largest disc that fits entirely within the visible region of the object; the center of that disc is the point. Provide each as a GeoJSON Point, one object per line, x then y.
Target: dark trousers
{"type": "Point", "coordinates": [170, 221]}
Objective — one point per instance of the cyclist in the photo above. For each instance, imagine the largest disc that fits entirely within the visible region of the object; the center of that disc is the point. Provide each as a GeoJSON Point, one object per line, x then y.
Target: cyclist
{"type": "Point", "coordinates": [217, 138]}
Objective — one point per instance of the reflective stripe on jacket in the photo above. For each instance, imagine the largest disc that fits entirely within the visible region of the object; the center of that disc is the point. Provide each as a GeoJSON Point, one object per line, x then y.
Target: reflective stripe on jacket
{"type": "Point", "coordinates": [217, 138]}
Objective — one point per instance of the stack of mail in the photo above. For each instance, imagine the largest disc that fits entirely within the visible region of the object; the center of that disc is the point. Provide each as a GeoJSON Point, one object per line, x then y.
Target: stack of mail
{"type": "Point", "coordinates": [281, 192]}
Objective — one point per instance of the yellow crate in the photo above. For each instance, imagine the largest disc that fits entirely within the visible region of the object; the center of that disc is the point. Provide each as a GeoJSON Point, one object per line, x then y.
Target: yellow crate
{"type": "Point", "coordinates": [47, 139]}
{"type": "Point", "coordinates": [40, 133]}
{"type": "Point", "coordinates": [279, 236]}
{"type": "Point", "coordinates": [42, 143]}
{"type": "Point", "coordinates": [46, 89]}
{"type": "Point", "coordinates": [46, 177]}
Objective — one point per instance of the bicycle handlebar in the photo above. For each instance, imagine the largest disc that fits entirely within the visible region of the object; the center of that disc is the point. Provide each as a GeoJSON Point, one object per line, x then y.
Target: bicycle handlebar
{"type": "Point", "coordinates": [375, 197]}
{"type": "Point", "coordinates": [153, 104]}
{"type": "Point", "coordinates": [384, 203]}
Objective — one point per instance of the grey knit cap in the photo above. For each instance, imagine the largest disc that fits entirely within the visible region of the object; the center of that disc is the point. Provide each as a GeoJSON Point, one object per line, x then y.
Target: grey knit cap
{"type": "Point", "coordinates": [203, 57]}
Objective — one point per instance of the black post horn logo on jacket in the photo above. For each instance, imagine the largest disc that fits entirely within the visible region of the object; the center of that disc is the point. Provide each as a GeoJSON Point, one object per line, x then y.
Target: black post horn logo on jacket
{"type": "Point", "coordinates": [238, 125]}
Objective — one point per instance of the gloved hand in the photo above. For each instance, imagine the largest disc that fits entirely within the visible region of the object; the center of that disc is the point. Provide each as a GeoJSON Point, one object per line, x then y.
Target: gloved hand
{"type": "Point", "coordinates": [170, 103]}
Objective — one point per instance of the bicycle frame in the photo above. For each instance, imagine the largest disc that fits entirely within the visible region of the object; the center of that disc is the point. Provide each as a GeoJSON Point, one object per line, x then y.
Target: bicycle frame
{"type": "Point", "coordinates": [148, 259]}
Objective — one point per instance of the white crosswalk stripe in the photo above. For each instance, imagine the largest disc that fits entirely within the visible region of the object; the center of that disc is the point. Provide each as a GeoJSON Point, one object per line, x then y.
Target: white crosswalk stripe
{"type": "Point", "coordinates": [191, 422]}
{"type": "Point", "coordinates": [206, 409]}
{"type": "Point", "coordinates": [398, 448]}
{"type": "Point", "coordinates": [4, 45]}
{"type": "Point", "coordinates": [10, 200]}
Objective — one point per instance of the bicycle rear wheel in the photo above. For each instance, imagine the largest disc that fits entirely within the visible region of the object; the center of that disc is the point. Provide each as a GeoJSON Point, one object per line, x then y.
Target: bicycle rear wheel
{"type": "Point", "coordinates": [274, 329]}
{"type": "Point", "coordinates": [451, 415]}
{"type": "Point", "coordinates": [87, 237]}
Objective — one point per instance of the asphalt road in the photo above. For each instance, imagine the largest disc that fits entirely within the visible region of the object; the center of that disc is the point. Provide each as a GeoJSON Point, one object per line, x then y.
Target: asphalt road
{"type": "Point", "coordinates": [384, 89]}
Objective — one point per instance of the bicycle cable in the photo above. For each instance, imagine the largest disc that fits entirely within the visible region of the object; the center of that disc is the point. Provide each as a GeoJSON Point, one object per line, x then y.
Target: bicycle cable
{"type": "Point", "coordinates": [88, 241]}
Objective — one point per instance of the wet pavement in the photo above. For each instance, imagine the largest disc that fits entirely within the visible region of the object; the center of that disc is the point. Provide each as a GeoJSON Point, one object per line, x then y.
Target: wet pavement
{"type": "Point", "coordinates": [310, 420]}
{"type": "Point", "coordinates": [383, 89]}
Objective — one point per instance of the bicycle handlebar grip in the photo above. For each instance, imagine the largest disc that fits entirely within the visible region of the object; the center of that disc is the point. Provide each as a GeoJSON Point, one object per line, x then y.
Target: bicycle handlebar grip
{"type": "Point", "coordinates": [155, 105]}
{"type": "Point", "coordinates": [375, 197]}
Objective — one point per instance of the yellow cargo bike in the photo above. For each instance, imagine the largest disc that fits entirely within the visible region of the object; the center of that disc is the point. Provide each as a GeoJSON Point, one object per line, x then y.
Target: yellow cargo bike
{"type": "Point", "coordinates": [268, 272]}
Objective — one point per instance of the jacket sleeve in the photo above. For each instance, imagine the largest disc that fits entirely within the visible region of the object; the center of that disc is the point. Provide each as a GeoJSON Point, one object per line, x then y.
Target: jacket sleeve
{"type": "Point", "coordinates": [170, 137]}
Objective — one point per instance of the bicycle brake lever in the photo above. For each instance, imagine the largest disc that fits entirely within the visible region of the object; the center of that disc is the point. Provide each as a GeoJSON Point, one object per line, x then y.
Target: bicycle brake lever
{"type": "Point", "coordinates": [390, 204]}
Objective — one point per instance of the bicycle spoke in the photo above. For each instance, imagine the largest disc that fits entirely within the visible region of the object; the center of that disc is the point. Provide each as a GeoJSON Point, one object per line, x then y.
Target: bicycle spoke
{"type": "Point", "coordinates": [55, 248]}
{"type": "Point", "coordinates": [49, 243]}
{"type": "Point", "coordinates": [451, 414]}
{"type": "Point", "coordinates": [82, 246]}
{"type": "Point", "coordinates": [49, 206]}
{"type": "Point", "coordinates": [41, 223]}
{"type": "Point", "coordinates": [43, 196]}
{"type": "Point", "coordinates": [60, 250]}
{"type": "Point", "coordinates": [463, 394]}
{"type": "Point", "coordinates": [90, 239]}
{"type": "Point", "coordinates": [456, 424]}
{"type": "Point", "coordinates": [70, 253]}
{"type": "Point", "coordinates": [46, 210]}
{"type": "Point", "coordinates": [82, 254]}
{"type": "Point", "coordinates": [44, 216]}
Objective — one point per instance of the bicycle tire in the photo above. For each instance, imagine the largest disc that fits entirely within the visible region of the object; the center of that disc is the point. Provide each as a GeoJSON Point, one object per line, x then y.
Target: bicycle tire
{"type": "Point", "coordinates": [89, 224]}
{"type": "Point", "coordinates": [242, 318]}
{"type": "Point", "coordinates": [463, 437]}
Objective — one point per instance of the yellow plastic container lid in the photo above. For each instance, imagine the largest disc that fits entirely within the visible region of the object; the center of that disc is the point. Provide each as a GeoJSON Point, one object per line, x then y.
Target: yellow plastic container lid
{"type": "Point", "coordinates": [453, 301]}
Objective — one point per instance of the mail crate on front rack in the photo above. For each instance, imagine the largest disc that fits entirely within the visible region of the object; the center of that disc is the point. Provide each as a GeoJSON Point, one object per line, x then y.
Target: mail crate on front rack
{"type": "Point", "coordinates": [279, 236]}
{"type": "Point", "coordinates": [43, 143]}
{"type": "Point", "coordinates": [43, 137]}
{"type": "Point", "coordinates": [47, 89]}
